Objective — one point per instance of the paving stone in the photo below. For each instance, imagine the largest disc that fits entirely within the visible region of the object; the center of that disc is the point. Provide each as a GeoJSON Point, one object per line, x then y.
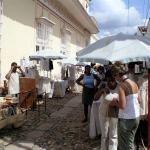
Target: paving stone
{"type": "Point", "coordinates": [34, 134]}
{"type": "Point", "coordinates": [44, 126]}
{"type": "Point", "coordinates": [68, 107]}
{"type": "Point", "coordinates": [59, 128]}
{"type": "Point", "coordinates": [74, 102]}
{"type": "Point", "coordinates": [20, 146]}
{"type": "Point", "coordinates": [62, 113]}
{"type": "Point", "coordinates": [2, 147]}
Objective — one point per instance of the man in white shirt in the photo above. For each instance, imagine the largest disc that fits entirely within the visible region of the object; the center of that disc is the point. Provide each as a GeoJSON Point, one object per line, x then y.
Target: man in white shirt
{"type": "Point", "coordinates": [13, 78]}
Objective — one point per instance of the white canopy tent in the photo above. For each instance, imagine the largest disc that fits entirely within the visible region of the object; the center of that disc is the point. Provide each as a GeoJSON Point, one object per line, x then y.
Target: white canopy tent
{"type": "Point", "coordinates": [70, 61]}
{"type": "Point", "coordinates": [81, 64]}
{"type": "Point", "coordinates": [47, 54]}
{"type": "Point", "coordinates": [121, 47]}
{"type": "Point", "coordinates": [73, 61]}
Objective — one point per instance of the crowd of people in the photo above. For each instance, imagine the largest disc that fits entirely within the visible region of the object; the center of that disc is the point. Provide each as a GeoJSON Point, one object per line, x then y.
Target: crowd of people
{"type": "Point", "coordinates": [119, 110]}
{"type": "Point", "coordinates": [120, 103]}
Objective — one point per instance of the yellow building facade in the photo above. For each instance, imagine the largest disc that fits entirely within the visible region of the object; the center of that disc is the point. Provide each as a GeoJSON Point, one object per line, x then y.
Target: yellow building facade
{"type": "Point", "coordinates": [31, 25]}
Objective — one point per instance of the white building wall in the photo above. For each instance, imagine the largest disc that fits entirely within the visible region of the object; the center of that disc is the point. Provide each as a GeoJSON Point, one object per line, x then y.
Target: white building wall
{"type": "Point", "coordinates": [18, 33]}
{"type": "Point", "coordinates": [94, 38]}
{"type": "Point", "coordinates": [85, 4]}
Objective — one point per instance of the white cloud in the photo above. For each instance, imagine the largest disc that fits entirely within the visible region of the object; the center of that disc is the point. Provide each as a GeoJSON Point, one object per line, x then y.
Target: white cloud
{"type": "Point", "coordinates": [112, 16]}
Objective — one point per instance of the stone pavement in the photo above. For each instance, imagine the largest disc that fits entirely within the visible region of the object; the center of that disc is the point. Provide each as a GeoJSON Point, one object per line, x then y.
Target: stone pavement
{"type": "Point", "coordinates": [59, 128]}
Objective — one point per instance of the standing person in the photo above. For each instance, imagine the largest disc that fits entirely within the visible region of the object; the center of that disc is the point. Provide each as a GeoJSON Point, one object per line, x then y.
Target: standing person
{"type": "Point", "coordinates": [129, 108]}
{"type": "Point", "coordinates": [101, 72]}
{"type": "Point", "coordinates": [131, 72]}
{"type": "Point", "coordinates": [108, 116]}
{"type": "Point", "coordinates": [13, 78]}
{"type": "Point", "coordinates": [87, 80]}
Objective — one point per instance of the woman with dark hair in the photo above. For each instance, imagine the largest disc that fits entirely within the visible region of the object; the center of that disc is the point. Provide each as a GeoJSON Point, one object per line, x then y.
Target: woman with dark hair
{"type": "Point", "coordinates": [108, 116]}
{"type": "Point", "coordinates": [129, 108]}
{"type": "Point", "coordinates": [87, 80]}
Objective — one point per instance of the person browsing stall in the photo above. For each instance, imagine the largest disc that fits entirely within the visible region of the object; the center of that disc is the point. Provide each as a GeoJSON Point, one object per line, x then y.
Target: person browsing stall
{"type": "Point", "coordinates": [108, 116]}
{"type": "Point", "coordinates": [129, 108]}
{"type": "Point", "coordinates": [13, 78]}
{"type": "Point", "coordinates": [87, 80]}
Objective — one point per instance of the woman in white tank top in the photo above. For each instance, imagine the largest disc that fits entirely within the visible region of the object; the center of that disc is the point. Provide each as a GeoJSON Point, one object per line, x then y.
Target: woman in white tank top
{"type": "Point", "coordinates": [129, 108]}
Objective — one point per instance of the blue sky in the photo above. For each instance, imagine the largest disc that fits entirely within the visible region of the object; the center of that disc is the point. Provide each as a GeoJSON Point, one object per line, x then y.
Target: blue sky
{"type": "Point", "coordinates": [140, 5]}
{"type": "Point", "coordinates": [113, 16]}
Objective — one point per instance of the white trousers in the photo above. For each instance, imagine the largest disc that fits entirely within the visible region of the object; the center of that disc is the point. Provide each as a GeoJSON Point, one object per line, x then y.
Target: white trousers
{"type": "Point", "coordinates": [94, 128]}
{"type": "Point", "coordinates": [109, 140]}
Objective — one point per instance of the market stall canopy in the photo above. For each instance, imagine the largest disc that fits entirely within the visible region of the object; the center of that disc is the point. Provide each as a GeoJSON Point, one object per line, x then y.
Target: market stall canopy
{"type": "Point", "coordinates": [121, 47]}
{"type": "Point", "coordinates": [70, 61]}
{"type": "Point", "coordinates": [73, 61]}
{"type": "Point", "coordinates": [47, 54]}
{"type": "Point", "coordinates": [81, 64]}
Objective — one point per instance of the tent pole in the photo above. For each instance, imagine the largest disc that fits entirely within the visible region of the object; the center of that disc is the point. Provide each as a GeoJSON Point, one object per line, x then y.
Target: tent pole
{"type": "Point", "coordinates": [148, 109]}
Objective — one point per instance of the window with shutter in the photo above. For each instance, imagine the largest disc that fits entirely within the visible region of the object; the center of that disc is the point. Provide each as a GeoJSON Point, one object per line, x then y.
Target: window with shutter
{"type": "Point", "coordinates": [44, 35]}
{"type": "Point", "coordinates": [66, 42]}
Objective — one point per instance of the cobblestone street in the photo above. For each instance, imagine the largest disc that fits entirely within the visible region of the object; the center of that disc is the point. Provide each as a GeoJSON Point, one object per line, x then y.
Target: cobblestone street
{"type": "Point", "coordinates": [59, 128]}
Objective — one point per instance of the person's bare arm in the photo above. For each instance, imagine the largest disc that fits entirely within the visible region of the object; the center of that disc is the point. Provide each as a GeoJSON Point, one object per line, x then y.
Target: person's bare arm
{"type": "Point", "coordinates": [22, 72]}
{"type": "Point", "coordinates": [122, 98]}
{"type": "Point", "coordinates": [9, 73]}
{"type": "Point", "coordinates": [98, 94]}
{"type": "Point", "coordinates": [78, 81]}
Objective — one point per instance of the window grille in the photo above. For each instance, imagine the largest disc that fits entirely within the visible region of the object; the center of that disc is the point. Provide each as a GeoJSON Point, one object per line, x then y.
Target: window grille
{"type": "Point", "coordinates": [66, 42]}
{"type": "Point", "coordinates": [44, 35]}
